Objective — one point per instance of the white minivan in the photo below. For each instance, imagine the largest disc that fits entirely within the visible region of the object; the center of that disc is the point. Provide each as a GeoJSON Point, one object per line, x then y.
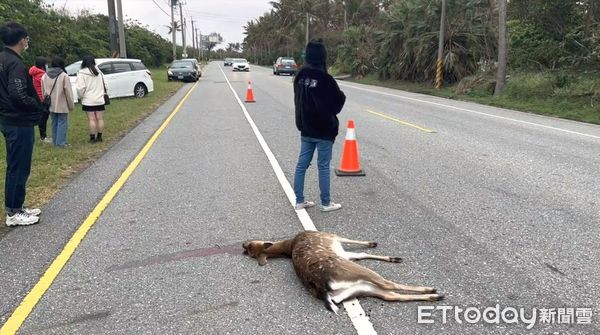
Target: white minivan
{"type": "Point", "coordinates": [124, 77]}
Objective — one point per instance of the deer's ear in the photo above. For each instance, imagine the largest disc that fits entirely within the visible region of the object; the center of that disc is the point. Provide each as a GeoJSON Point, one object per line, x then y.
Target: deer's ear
{"type": "Point", "coordinates": [267, 245]}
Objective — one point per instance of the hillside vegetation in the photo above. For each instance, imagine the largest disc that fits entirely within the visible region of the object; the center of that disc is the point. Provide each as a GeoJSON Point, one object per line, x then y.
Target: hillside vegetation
{"type": "Point", "coordinates": [54, 32]}
{"type": "Point", "coordinates": [553, 57]}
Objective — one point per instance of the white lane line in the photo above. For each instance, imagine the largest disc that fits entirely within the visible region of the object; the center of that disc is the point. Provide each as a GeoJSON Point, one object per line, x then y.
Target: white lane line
{"type": "Point", "coordinates": [359, 318]}
{"type": "Point", "coordinates": [469, 111]}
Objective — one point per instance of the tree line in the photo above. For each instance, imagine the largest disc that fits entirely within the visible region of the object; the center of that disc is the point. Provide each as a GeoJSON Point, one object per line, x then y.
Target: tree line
{"type": "Point", "coordinates": [54, 32]}
{"type": "Point", "coordinates": [398, 39]}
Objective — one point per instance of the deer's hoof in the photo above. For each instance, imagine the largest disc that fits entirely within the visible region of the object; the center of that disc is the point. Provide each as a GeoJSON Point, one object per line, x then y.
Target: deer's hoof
{"type": "Point", "coordinates": [372, 244]}
{"type": "Point", "coordinates": [436, 297]}
{"type": "Point", "coordinates": [395, 259]}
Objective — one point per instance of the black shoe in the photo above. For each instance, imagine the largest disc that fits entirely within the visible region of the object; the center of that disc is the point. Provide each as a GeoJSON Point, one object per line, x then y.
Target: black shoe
{"type": "Point", "coordinates": [92, 138]}
{"type": "Point", "coordinates": [99, 137]}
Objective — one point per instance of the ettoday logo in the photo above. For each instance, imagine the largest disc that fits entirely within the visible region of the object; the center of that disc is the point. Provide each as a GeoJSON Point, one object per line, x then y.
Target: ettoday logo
{"type": "Point", "coordinates": [505, 315]}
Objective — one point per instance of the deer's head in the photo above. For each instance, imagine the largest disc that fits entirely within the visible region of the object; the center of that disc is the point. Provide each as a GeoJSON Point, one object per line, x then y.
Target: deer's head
{"type": "Point", "coordinates": [257, 249]}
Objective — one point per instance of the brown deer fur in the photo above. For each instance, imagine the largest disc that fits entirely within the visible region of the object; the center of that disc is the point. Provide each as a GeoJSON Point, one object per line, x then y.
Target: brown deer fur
{"type": "Point", "coordinates": [327, 270]}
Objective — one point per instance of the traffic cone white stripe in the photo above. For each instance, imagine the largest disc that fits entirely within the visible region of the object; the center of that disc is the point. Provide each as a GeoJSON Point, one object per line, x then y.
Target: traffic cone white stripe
{"type": "Point", "coordinates": [350, 134]}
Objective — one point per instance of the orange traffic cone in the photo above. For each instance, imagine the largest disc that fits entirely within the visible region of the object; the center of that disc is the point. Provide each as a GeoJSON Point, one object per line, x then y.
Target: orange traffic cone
{"type": "Point", "coordinates": [249, 94]}
{"type": "Point", "coordinates": [350, 165]}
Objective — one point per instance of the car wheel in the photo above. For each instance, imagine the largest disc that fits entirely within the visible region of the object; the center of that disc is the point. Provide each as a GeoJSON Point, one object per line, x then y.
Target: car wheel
{"type": "Point", "coordinates": [140, 90]}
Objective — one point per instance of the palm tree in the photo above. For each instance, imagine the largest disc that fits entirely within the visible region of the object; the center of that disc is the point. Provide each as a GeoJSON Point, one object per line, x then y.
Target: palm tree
{"type": "Point", "coordinates": [177, 27]}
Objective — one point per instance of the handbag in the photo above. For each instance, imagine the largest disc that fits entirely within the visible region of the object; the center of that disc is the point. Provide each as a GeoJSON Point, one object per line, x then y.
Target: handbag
{"type": "Point", "coordinates": [47, 102]}
{"type": "Point", "coordinates": [106, 98]}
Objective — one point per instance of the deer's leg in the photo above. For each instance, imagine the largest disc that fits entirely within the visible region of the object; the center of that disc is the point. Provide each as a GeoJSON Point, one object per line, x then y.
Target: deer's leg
{"type": "Point", "coordinates": [395, 296]}
{"type": "Point", "coordinates": [388, 285]}
{"type": "Point", "coordinates": [369, 244]}
{"type": "Point", "coordinates": [364, 255]}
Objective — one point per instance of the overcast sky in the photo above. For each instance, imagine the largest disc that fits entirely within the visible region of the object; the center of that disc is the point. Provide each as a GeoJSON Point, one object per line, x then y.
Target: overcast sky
{"type": "Point", "coordinates": [227, 17]}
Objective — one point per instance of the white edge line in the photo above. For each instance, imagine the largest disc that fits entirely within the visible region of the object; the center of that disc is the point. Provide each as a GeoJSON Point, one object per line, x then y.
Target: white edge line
{"type": "Point", "coordinates": [359, 318]}
{"type": "Point", "coordinates": [470, 111]}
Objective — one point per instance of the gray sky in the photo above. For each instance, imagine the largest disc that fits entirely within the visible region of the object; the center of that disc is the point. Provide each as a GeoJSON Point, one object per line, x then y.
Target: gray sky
{"type": "Point", "coordinates": [227, 17]}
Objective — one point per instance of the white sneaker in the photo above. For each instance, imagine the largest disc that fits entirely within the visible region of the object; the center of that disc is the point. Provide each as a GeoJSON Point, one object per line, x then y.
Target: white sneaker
{"type": "Point", "coordinates": [21, 219]}
{"type": "Point", "coordinates": [47, 140]}
{"type": "Point", "coordinates": [331, 207]}
{"type": "Point", "coordinates": [33, 211]}
{"type": "Point", "coordinates": [303, 205]}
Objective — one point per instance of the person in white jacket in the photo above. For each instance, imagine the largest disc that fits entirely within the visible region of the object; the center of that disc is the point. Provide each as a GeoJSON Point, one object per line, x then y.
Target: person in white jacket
{"type": "Point", "coordinates": [91, 87]}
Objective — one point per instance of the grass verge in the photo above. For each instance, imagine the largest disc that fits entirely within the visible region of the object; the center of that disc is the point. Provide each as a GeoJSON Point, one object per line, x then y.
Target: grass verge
{"type": "Point", "coordinates": [53, 167]}
{"type": "Point", "coordinates": [569, 96]}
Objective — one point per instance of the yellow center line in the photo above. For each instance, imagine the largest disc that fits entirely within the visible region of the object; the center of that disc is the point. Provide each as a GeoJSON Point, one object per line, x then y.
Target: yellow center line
{"type": "Point", "coordinates": [17, 318]}
{"type": "Point", "coordinates": [401, 122]}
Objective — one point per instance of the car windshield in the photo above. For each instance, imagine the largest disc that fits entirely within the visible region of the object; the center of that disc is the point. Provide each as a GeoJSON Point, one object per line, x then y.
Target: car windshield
{"type": "Point", "coordinates": [288, 62]}
{"type": "Point", "coordinates": [181, 64]}
{"type": "Point", "coordinates": [240, 60]}
{"type": "Point", "coordinates": [73, 68]}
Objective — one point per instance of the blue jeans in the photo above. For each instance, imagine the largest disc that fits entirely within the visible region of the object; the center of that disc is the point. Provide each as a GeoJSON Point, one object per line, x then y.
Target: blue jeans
{"type": "Point", "coordinates": [307, 149]}
{"type": "Point", "coordinates": [19, 150]}
{"type": "Point", "coordinates": [60, 125]}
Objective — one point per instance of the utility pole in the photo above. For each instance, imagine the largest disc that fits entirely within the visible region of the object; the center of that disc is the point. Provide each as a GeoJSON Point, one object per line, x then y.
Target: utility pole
{"type": "Point", "coordinates": [307, 23]}
{"type": "Point", "coordinates": [122, 47]}
{"type": "Point", "coordinates": [199, 43]}
{"type": "Point", "coordinates": [440, 56]}
{"type": "Point", "coordinates": [193, 37]}
{"type": "Point", "coordinates": [173, 28]}
{"type": "Point", "coordinates": [345, 16]}
{"type": "Point", "coordinates": [112, 28]}
{"type": "Point", "coordinates": [502, 48]}
{"type": "Point", "coordinates": [183, 28]}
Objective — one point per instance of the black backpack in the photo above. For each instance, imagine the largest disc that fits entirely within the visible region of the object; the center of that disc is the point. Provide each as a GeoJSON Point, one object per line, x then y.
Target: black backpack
{"type": "Point", "coordinates": [47, 99]}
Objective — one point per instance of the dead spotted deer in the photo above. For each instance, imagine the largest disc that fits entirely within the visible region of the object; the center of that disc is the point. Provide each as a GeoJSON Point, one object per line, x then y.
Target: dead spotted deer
{"type": "Point", "coordinates": [327, 270]}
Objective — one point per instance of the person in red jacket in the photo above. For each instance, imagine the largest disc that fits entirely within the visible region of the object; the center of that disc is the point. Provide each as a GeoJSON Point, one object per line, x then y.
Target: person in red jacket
{"type": "Point", "coordinates": [37, 72]}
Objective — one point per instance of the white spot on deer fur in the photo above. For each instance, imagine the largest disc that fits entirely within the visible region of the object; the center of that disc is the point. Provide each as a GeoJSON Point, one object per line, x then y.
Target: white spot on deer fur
{"type": "Point", "coordinates": [358, 289]}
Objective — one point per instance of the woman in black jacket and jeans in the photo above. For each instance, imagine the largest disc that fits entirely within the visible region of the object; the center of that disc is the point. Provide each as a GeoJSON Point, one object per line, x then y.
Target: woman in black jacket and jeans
{"type": "Point", "coordinates": [318, 100]}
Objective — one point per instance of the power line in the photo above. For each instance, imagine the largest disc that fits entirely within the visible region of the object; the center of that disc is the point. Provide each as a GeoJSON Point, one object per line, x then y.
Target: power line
{"type": "Point", "coordinates": [159, 7]}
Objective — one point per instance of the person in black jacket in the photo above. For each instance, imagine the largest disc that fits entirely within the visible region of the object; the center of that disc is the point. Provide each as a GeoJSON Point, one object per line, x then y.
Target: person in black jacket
{"type": "Point", "coordinates": [318, 100]}
{"type": "Point", "coordinates": [20, 111]}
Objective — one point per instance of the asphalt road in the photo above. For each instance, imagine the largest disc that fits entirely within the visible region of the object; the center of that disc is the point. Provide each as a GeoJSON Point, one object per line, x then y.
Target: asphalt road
{"type": "Point", "coordinates": [492, 207]}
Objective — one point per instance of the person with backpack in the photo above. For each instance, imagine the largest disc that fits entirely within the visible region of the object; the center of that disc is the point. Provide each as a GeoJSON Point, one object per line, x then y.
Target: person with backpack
{"type": "Point", "coordinates": [20, 111]}
{"type": "Point", "coordinates": [36, 72]}
{"type": "Point", "coordinates": [91, 89]}
{"type": "Point", "coordinates": [57, 87]}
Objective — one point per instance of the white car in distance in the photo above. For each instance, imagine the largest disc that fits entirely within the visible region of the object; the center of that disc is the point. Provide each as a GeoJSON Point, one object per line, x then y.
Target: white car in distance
{"type": "Point", "coordinates": [240, 64]}
{"type": "Point", "coordinates": [124, 77]}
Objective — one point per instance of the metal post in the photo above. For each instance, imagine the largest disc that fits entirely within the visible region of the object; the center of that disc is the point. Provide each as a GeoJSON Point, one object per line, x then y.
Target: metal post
{"type": "Point", "coordinates": [307, 23]}
{"type": "Point", "coordinates": [173, 28]}
{"type": "Point", "coordinates": [345, 16]}
{"type": "Point", "coordinates": [112, 28]}
{"type": "Point", "coordinates": [193, 38]}
{"type": "Point", "coordinates": [122, 45]}
{"type": "Point", "coordinates": [182, 30]}
{"type": "Point", "coordinates": [440, 56]}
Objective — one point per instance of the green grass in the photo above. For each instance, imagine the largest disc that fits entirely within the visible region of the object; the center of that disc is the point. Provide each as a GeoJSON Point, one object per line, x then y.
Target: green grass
{"type": "Point", "coordinates": [564, 95]}
{"type": "Point", "coordinates": [53, 167]}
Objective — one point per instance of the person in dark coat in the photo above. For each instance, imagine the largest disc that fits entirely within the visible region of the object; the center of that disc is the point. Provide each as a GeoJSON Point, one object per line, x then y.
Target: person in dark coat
{"type": "Point", "coordinates": [20, 111]}
{"type": "Point", "coordinates": [318, 100]}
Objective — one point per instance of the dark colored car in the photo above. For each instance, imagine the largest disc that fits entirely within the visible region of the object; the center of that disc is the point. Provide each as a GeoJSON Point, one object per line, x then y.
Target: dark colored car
{"type": "Point", "coordinates": [285, 65]}
{"type": "Point", "coordinates": [228, 62]}
{"type": "Point", "coordinates": [196, 64]}
{"type": "Point", "coordinates": [184, 70]}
